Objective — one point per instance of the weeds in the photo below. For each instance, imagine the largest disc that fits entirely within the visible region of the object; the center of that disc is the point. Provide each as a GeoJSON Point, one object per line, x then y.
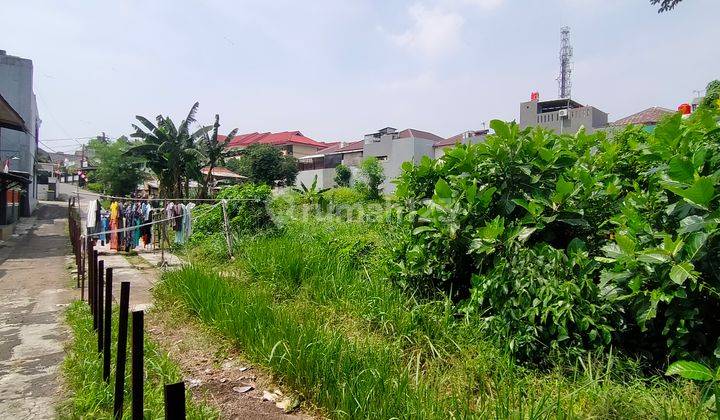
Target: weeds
{"type": "Point", "coordinates": [321, 316]}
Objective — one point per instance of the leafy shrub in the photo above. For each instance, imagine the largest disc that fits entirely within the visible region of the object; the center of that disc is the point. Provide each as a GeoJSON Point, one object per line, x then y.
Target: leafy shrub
{"type": "Point", "coordinates": [342, 175]}
{"type": "Point", "coordinates": [372, 176]}
{"type": "Point", "coordinates": [542, 301]}
{"type": "Point", "coordinates": [247, 211]}
{"type": "Point", "coordinates": [95, 187]}
{"type": "Point", "coordinates": [642, 205]}
{"type": "Point", "coordinates": [344, 196]}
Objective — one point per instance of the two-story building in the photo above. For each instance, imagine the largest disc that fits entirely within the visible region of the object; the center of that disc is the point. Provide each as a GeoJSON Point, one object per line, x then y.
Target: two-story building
{"type": "Point", "coordinates": [389, 146]}
{"type": "Point", "coordinates": [563, 116]}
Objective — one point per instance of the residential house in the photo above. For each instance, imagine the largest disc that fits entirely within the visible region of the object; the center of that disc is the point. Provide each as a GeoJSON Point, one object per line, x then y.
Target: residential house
{"type": "Point", "coordinates": [648, 118]}
{"type": "Point", "coordinates": [466, 137]}
{"type": "Point", "coordinates": [389, 146]}
{"type": "Point", "coordinates": [19, 147]}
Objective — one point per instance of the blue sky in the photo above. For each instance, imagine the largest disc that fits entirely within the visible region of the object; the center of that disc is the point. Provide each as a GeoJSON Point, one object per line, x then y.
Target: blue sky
{"type": "Point", "coordinates": [336, 69]}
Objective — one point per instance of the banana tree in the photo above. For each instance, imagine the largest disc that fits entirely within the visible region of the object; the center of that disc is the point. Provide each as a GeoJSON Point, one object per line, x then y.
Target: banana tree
{"type": "Point", "coordinates": [215, 152]}
{"type": "Point", "coordinates": [170, 151]}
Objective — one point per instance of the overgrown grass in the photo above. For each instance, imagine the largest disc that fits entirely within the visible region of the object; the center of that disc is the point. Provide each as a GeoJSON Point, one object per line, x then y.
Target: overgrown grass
{"type": "Point", "coordinates": [312, 303]}
{"type": "Point", "coordinates": [90, 397]}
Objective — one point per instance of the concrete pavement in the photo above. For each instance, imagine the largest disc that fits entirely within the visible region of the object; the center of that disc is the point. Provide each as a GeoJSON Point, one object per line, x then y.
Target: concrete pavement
{"type": "Point", "coordinates": [34, 291]}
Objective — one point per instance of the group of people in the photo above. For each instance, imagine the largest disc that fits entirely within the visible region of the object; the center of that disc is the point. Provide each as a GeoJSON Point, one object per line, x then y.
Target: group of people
{"type": "Point", "coordinates": [129, 224]}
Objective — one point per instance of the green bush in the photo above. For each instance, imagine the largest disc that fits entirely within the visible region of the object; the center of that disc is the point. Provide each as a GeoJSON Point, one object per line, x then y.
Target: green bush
{"type": "Point", "coordinates": [342, 175]}
{"type": "Point", "coordinates": [642, 206]}
{"type": "Point", "coordinates": [344, 196]}
{"type": "Point", "coordinates": [247, 211]}
{"type": "Point", "coordinates": [95, 187]}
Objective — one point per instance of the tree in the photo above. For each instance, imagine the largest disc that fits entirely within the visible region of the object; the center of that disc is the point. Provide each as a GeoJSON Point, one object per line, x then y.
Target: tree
{"type": "Point", "coordinates": [712, 94]}
{"type": "Point", "coordinates": [117, 173]}
{"type": "Point", "coordinates": [170, 151]}
{"type": "Point", "coordinates": [373, 175]}
{"type": "Point", "coordinates": [264, 164]}
{"type": "Point", "coordinates": [665, 5]}
{"type": "Point", "coordinates": [214, 152]}
{"type": "Point", "coordinates": [342, 175]}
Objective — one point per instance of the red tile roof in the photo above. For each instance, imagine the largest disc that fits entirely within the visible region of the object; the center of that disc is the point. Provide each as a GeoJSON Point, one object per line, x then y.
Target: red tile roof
{"type": "Point", "coordinates": [450, 141]}
{"type": "Point", "coordinates": [648, 116]}
{"type": "Point", "coordinates": [275, 139]}
{"type": "Point", "coordinates": [411, 132]}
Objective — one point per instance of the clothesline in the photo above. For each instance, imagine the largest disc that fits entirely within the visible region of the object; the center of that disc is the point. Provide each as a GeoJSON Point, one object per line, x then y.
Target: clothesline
{"type": "Point", "coordinates": [166, 199]}
{"type": "Point", "coordinates": [131, 228]}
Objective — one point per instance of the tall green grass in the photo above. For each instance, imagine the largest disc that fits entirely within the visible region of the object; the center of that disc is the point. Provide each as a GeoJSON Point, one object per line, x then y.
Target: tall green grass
{"type": "Point", "coordinates": [91, 397]}
{"type": "Point", "coordinates": [312, 304]}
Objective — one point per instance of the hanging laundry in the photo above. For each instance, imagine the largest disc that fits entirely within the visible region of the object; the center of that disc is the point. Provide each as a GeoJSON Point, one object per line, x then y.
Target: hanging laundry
{"type": "Point", "coordinates": [187, 221]}
{"type": "Point", "coordinates": [92, 211]}
{"type": "Point", "coordinates": [178, 212]}
{"type": "Point", "coordinates": [114, 224]}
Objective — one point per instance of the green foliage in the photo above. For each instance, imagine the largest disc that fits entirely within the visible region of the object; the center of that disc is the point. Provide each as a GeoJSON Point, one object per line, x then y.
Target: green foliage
{"type": "Point", "coordinates": [311, 304]}
{"type": "Point", "coordinates": [701, 373]}
{"type": "Point", "coordinates": [342, 175]}
{"type": "Point", "coordinates": [712, 95]}
{"type": "Point", "coordinates": [541, 301]}
{"type": "Point", "coordinates": [170, 151]}
{"type": "Point", "coordinates": [247, 208]}
{"type": "Point", "coordinates": [214, 152]}
{"type": "Point", "coordinates": [345, 196]}
{"type": "Point", "coordinates": [643, 206]}
{"type": "Point", "coordinates": [116, 173]}
{"type": "Point", "coordinates": [265, 164]}
{"type": "Point", "coordinates": [372, 176]}
{"type": "Point", "coordinates": [665, 5]}
{"type": "Point", "coordinates": [312, 194]}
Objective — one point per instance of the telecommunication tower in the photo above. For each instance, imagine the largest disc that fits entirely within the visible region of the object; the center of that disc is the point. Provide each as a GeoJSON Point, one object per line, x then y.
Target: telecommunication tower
{"type": "Point", "coordinates": [566, 53]}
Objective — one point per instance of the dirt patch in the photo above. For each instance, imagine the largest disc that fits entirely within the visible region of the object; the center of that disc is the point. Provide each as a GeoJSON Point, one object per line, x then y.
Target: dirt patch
{"type": "Point", "coordinates": [215, 371]}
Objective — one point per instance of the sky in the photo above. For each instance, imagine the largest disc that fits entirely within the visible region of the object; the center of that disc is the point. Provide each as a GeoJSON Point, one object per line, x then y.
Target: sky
{"type": "Point", "coordinates": [337, 69]}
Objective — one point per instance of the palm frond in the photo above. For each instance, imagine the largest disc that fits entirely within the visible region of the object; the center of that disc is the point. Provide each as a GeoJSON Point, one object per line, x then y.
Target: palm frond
{"type": "Point", "coordinates": [150, 126]}
{"type": "Point", "coordinates": [183, 129]}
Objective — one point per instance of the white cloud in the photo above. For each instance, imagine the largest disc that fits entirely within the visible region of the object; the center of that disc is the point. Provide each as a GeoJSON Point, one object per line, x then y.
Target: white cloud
{"type": "Point", "coordinates": [434, 32]}
{"type": "Point", "coordinates": [485, 4]}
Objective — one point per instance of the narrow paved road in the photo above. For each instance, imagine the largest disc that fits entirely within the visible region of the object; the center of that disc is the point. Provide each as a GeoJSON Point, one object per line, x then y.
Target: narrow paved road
{"type": "Point", "coordinates": [34, 291]}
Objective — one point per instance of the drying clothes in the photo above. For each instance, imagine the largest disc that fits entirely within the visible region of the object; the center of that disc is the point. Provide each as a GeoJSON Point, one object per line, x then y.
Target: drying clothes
{"type": "Point", "coordinates": [114, 210]}
{"type": "Point", "coordinates": [91, 212]}
{"type": "Point", "coordinates": [115, 224]}
{"type": "Point", "coordinates": [178, 210]}
{"type": "Point", "coordinates": [105, 226]}
{"type": "Point", "coordinates": [187, 221]}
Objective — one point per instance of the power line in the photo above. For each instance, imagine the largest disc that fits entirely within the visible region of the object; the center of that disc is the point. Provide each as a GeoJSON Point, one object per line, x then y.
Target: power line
{"type": "Point", "coordinates": [72, 138]}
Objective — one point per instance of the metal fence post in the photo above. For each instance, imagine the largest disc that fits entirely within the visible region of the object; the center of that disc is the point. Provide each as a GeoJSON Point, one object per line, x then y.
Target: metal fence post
{"type": "Point", "coordinates": [107, 330]}
{"type": "Point", "coordinates": [100, 304]}
{"type": "Point", "coordinates": [121, 349]}
{"type": "Point", "coordinates": [175, 401]}
{"type": "Point", "coordinates": [138, 355]}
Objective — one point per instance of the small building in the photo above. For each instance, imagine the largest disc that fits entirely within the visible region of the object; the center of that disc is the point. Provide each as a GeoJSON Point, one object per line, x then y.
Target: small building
{"type": "Point", "coordinates": [563, 116]}
{"type": "Point", "coordinates": [18, 148]}
{"type": "Point", "coordinates": [466, 137]}
{"type": "Point", "coordinates": [648, 118]}
{"type": "Point", "coordinates": [222, 175]}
